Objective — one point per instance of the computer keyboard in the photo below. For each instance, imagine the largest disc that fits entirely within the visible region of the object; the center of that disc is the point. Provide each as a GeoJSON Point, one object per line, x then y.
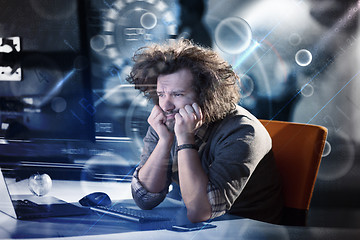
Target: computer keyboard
{"type": "Point", "coordinates": [25, 203]}
{"type": "Point", "coordinates": [130, 214]}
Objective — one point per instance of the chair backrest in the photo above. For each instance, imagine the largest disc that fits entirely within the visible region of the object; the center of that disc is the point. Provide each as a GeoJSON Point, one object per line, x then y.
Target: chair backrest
{"type": "Point", "coordinates": [298, 150]}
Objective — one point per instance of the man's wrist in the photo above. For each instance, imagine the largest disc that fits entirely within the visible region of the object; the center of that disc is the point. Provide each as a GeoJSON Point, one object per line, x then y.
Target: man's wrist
{"type": "Point", "coordinates": [165, 144]}
{"type": "Point", "coordinates": [186, 146]}
{"type": "Point", "coordinates": [185, 139]}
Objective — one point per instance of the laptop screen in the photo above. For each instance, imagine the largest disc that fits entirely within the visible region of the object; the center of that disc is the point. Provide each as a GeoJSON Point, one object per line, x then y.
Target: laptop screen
{"type": "Point", "coordinates": [6, 205]}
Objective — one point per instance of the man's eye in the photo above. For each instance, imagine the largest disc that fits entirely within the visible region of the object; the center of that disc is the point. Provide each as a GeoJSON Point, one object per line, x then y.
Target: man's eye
{"type": "Point", "coordinates": [160, 95]}
{"type": "Point", "coordinates": [178, 94]}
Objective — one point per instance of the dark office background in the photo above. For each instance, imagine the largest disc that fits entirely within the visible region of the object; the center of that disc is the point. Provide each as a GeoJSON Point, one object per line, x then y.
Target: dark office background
{"type": "Point", "coordinates": [66, 109]}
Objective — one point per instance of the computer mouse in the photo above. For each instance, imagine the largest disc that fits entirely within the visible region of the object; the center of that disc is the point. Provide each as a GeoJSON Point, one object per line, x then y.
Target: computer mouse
{"type": "Point", "coordinates": [95, 199]}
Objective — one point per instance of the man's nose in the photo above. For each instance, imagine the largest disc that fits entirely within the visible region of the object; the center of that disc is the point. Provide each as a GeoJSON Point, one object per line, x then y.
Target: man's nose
{"type": "Point", "coordinates": [168, 104]}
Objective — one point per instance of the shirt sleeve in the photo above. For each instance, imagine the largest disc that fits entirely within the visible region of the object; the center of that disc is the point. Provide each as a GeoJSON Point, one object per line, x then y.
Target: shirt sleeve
{"type": "Point", "coordinates": [236, 150]}
{"type": "Point", "coordinates": [217, 202]}
{"type": "Point", "coordinates": [143, 198]}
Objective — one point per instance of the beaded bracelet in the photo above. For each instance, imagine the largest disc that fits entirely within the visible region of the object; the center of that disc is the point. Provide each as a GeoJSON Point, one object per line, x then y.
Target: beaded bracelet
{"type": "Point", "coordinates": [184, 146]}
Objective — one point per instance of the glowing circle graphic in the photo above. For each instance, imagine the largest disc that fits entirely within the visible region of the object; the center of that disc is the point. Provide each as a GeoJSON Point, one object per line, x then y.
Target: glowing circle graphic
{"type": "Point", "coordinates": [327, 149]}
{"type": "Point", "coordinates": [58, 104]}
{"type": "Point", "coordinates": [97, 43]}
{"type": "Point", "coordinates": [148, 20]}
{"type": "Point", "coordinates": [303, 57]}
{"type": "Point", "coordinates": [307, 90]}
{"type": "Point", "coordinates": [339, 158]}
{"type": "Point", "coordinates": [246, 85]}
{"type": "Point", "coordinates": [233, 35]}
{"type": "Point", "coordinates": [295, 39]}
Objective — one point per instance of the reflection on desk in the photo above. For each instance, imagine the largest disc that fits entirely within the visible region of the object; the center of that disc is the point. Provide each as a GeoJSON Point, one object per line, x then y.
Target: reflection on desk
{"type": "Point", "coordinates": [99, 226]}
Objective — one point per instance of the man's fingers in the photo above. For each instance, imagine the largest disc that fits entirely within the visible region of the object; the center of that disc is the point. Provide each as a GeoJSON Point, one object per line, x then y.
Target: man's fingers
{"type": "Point", "coordinates": [197, 110]}
{"type": "Point", "coordinates": [189, 110]}
{"type": "Point", "coordinates": [183, 112]}
{"type": "Point", "coordinates": [187, 113]}
{"type": "Point", "coordinates": [156, 115]}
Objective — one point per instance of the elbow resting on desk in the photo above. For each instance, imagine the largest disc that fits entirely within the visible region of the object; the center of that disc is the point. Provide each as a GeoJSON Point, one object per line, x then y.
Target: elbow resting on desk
{"type": "Point", "coordinates": [200, 214]}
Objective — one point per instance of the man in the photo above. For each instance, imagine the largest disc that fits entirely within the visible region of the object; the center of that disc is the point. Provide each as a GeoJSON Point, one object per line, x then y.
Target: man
{"type": "Point", "coordinates": [218, 153]}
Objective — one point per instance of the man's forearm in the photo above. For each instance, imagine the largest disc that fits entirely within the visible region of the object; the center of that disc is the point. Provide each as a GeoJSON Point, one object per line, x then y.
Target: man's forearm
{"type": "Point", "coordinates": [153, 175]}
{"type": "Point", "coordinates": [193, 185]}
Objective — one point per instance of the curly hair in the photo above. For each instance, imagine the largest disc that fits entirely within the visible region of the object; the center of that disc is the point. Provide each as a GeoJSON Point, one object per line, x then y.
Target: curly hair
{"type": "Point", "coordinates": [214, 80]}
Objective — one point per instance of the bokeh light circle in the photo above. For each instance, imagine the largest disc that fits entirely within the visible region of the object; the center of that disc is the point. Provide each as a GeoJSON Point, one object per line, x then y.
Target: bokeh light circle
{"type": "Point", "coordinates": [148, 20]}
{"type": "Point", "coordinates": [58, 104]}
{"type": "Point", "coordinates": [327, 149]}
{"type": "Point", "coordinates": [246, 85]}
{"type": "Point", "coordinates": [97, 43]}
{"type": "Point", "coordinates": [307, 90]}
{"type": "Point", "coordinates": [294, 39]}
{"type": "Point", "coordinates": [339, 160]}
{"type": "Point", "coordinates": [303, 57]}
{"type": "Point", "coordinates": [233, 35]}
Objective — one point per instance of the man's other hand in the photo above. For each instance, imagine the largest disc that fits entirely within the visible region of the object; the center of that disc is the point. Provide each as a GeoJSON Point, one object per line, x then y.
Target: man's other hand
{"type": "Point", "coordinates": [187, 121]}
{"type": "Point", "coordinates": [157, 120]}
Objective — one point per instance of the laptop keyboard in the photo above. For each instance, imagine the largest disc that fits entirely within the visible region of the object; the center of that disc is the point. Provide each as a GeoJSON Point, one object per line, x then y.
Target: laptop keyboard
{"type": "Point", "coordinates": [130, 214]}
{"type": "Point", "coordinates": [26, 209]}
{"type": "Point", "coordinates": [28, 205]}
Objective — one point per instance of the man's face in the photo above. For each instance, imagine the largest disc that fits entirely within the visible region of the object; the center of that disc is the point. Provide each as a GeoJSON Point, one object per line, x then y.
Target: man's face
{"type": "Point", "coordinates": [175, 91]}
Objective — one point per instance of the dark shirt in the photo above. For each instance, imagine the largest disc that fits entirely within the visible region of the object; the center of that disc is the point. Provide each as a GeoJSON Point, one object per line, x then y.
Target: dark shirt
{"type": "Point", "coordinates": [236, 156]}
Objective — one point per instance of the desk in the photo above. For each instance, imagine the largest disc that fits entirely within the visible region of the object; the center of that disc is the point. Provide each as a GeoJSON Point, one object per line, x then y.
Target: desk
{"type": "Point", "coordinates": [95, 227]}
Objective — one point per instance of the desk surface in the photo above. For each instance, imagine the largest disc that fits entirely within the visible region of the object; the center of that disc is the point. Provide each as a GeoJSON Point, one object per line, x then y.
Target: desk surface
{"type": "Point", "coordinates": [99, 227]}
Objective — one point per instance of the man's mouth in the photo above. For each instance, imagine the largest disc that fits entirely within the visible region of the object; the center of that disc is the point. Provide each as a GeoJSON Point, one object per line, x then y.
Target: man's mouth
{"type": "Point", "coordinates": [170, 116]}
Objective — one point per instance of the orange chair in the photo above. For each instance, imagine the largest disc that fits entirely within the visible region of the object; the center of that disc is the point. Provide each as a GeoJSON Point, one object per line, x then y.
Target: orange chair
{"type": "Point", "coordinates": [298, 150]}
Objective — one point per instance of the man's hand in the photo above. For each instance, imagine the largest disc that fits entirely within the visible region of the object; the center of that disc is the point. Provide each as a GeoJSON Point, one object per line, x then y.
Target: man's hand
{"type": "Point", "coordinates": [157, 121]}
{"type": "Point", "coordinates": [192, 177]}
{"type": "Point", "coordinates": [187, 121]}
{"type": "Point", "coordinates": [153, 174]}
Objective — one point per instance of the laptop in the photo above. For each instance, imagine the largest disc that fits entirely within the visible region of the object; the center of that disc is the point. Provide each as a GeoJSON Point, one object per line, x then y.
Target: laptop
{"type": "Point", "coordinates": [31, 207]}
